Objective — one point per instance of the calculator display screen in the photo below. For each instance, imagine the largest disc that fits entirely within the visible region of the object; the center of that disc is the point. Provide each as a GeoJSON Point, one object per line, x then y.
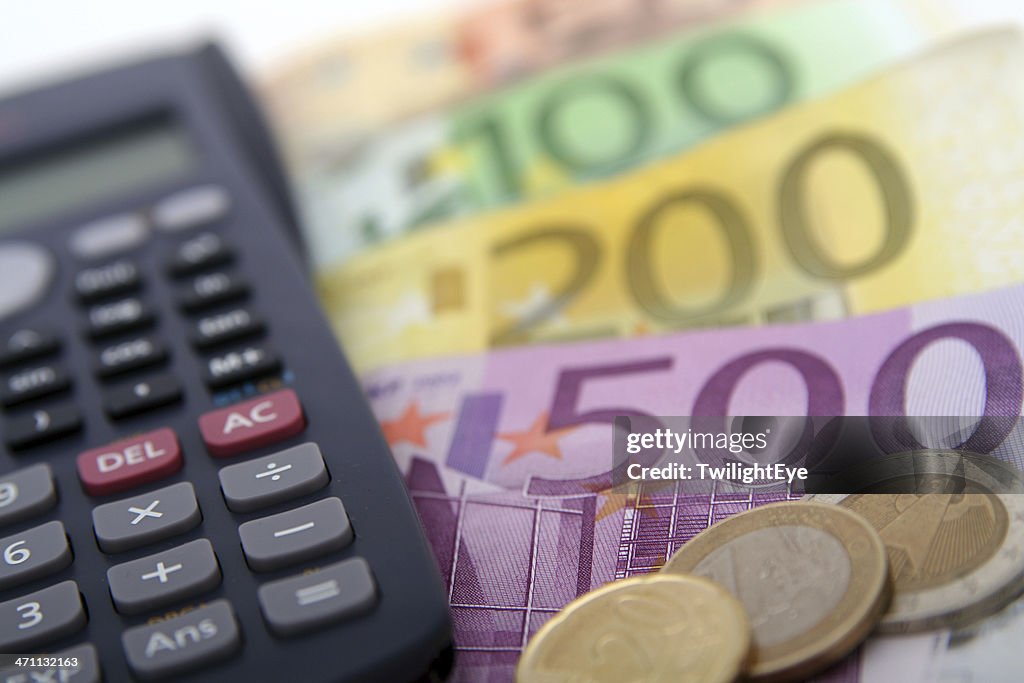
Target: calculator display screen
{"type": "Point", "coordinates": [116, 163]}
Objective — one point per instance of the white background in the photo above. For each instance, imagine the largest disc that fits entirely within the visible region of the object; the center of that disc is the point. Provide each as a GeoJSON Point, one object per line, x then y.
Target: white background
{"type": "Point", "coordinates": [44, 39]}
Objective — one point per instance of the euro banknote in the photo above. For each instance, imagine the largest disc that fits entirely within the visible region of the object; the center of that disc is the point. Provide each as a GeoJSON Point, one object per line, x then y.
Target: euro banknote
{"type": "Point", "coordinates": [325, 99]}
{"type": "Point", "coordinates": [595, 118]}
{"type": "Point", "coordinates": [900, 189]}
{"type": "Point", "coordinates": [506, 453]}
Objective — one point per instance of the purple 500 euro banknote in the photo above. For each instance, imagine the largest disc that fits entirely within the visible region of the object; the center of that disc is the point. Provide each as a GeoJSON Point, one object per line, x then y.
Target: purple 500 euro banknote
{"type": "Point", "coordinates": [506, 454]}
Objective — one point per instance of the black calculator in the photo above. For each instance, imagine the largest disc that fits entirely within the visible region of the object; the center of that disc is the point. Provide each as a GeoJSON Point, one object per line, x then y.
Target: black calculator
{"type": "Point", "coordinates": [192, 486]}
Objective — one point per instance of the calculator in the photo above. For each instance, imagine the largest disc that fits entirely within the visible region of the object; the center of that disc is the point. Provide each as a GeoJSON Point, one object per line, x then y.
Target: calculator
{"type": "Point", "coordinates": [192, 486]}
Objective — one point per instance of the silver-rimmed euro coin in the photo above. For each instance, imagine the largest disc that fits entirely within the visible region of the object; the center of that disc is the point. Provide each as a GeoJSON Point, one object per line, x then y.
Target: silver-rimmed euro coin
{"type": "Point", "coordinates": [955, 547]}
{"type": "Point", "coordinates": [813, 579]}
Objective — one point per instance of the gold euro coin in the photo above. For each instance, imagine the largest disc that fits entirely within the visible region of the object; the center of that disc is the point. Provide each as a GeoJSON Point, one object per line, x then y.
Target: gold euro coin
{"type": "Point", "coordinates": [651, 629]}
{"type": "Point", "coordinates": [953, 526]}
{"type": "Point", "coordinates": [813, 579]}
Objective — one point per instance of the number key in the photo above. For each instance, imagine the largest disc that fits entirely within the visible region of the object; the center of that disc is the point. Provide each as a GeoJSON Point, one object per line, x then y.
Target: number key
{"type": "Point", "coordinates": [33, 554]}
{"type": "Point", "coordinates": [26, 493]}
{"type": "Point", "coordinates": [41, 617]}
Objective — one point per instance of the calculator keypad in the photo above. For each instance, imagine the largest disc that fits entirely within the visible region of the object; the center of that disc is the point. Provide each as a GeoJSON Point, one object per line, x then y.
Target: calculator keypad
{"type": "Point", "coordinates": [134, 374]}
{"type": "Point", "coordinates": [157, 580]}
{"type": "Point", "coordinates": [306, 602]}
{"type": "Point", "coordinates": [262, 482]}
{"type": "Point", "coordinates": [176, 646]}
{"type": "Point", "coordinates": [145, 519]}
{"type": "Point", "coordinates": [33, 554]}
{"type": "Point", "coordinates": [295, 536]}
{"type": "Point", "coordinates": [41, 617]}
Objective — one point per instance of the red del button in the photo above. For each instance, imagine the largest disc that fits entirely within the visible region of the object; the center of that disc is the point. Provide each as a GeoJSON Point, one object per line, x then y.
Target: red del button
{"type": "Point", "coordinates": [130, 462]}
{"type": "Point", "coordinates": [252, 424]}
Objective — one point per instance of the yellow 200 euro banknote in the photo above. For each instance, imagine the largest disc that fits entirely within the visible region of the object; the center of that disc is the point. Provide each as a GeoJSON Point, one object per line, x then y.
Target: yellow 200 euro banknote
{"type": "Point", "coordinates": [905, 187]}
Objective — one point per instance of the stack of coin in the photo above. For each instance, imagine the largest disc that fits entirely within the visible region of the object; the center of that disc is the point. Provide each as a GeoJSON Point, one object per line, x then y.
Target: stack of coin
{"type": "Point", "coordinates": [781, 592]}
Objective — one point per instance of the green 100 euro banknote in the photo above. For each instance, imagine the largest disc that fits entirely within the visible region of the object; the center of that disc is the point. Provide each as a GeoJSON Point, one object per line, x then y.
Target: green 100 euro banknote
{"type": "Point", "coordinates": [900, 189]}
{"type": "Point", "coordinates": [326, 99]}
{"type": "Point", "coordinates": [591, 119]}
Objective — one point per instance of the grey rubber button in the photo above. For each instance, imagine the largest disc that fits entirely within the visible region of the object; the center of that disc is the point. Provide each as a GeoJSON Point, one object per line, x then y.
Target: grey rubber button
{"type": "Point", "coordinates": [287, 474]}
{"type": "Point", "coordinates": [26, 493]}
{"type": "Point", "coordinates": [26, 271]}
{"type": "Point", "coordinates": [41, 617]}
{"type": "Point", "coordinates": [33, 554]}
{"type": "Point", "coordinates": [109, 236]}
{"type": "Point", "coordinates": [147, 518]}
{"type": "Point", "coordinates": [302, 603]}
{"type": "Point", "coordinates": [191, 208]}
{"type": "Point", "coordinates": [163, 578]}
{"type": "Point", "coordinates": [295, 536]}
{"type": "Point", "coordinates": [176, 646]}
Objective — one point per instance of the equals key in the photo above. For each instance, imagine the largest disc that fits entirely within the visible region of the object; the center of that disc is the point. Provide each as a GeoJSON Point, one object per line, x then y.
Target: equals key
{"type": "Point", "coordinates": [304, 603]}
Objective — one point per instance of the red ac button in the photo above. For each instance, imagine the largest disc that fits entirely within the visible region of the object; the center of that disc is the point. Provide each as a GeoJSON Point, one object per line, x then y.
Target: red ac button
{"type": "Point", "coordinates": [252, 424]}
